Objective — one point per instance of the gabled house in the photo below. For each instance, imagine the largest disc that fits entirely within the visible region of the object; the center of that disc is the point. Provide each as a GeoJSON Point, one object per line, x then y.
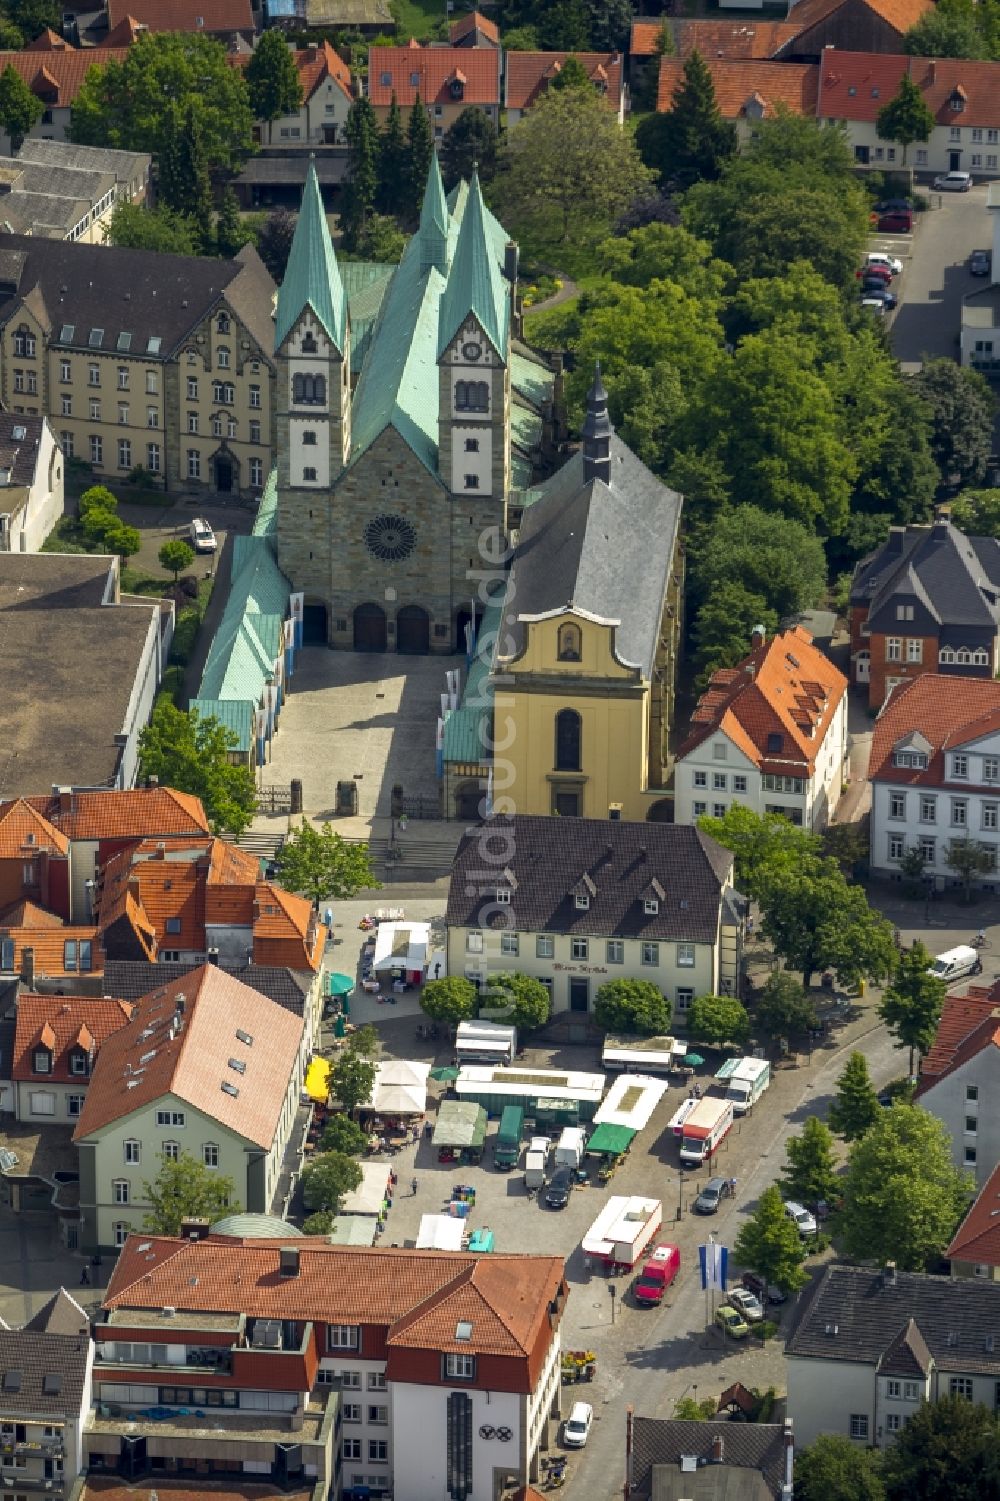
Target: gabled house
{"type": "Point", "coordinates": [474, 30]}
{"type": "Point", "coordinates": [960, 1075]}
{"type": "Point", "coordinates": [975, 1247]}
{"type": "Point", "coordinates": [529, 74]}
{"type": "Point", "coordinates": [31, 482]}
{"type": "Point", "coordinates": [877, 26]}
{"type": "Point", "coordinates": [747, 91]}
{"type": "Point", "coordinates": [45, 951]}
{"type": "Point", "coordinates": [45, 1398]}
{"type": "Point", "coordinates": [675, 1459]}
{"type": "Point", "coordinates": [55, 77]}
{"type": "Point", "coordinates": [226, 20]}
{"type": "Point", "coordinates": [327, 94]}
{"type": "Point", "coordinates": [935, 775]}
{"type": "Point", "coordinates": [57, 1041]}
{"type": "Point", "coordinates": [447, 79]}
{"type": "Point", "coordinates": [928, 600]}
{"type": "Point", "coordinates": [769, 734]}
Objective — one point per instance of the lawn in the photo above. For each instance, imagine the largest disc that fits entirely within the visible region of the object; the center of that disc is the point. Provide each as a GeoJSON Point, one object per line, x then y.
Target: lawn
{"type": "Point", "coordinates": [417, 17]}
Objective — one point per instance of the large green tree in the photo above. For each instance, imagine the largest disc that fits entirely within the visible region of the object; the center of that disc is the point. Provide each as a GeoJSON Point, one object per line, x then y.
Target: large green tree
{"type": "Point", "coordinates": [902, 1195]}
{"type": "Point", "coordinates": [175, 556]}
{"type": "Point", "coordinates": [911, 1007]}
{"type": "Point", "coordinates": [231, 231]}
{"type": "Point", "coordinates": [962, 412]}
{"type": "Point", "coordinates": [321, 864]}
{"type": "Point", "coordinates": [138, 227]}
{"type": "Point", "coordinates": [834, 1468]}
{"type": "Point", "coordinates": [391, 160]}
{"type": "Point", "coordinates": [20, 109]}
{"type": "Point", "coordinates": [361, 183]}
{"type": "Point", "coordinates": [452, 999]}
{"type": "Point", "coordinates": [715, 1019]}
{"type": "Point", "coordinates": [779, 560]}
{"type": "Point", "coordinates": [419, 151]}
{"type": "Point", "coordinates": [636, 1006]}
{"type": "Point", "coordinates": [784, 1009]}
{"type": "Point", "coordinates": [690, 142]}
{"type": "Point", "coordinates": [139, 104]}
{"type": "Point", "coordinates": [811, 1173]}
{"type": "Point", "coordinates": [191, 753]}
{"type": "Point", "coordinates": [941, 32]}
{"type": "Point", "coordinates": [906, 117]}
{"type": "Point", "coordinates": [184, 181]}
{"type": "Point", "coordinates": [272, 78]}
{"type": "Point", "coordinates": [185, 1189]}
{"type": "Point", "coordinates": [769, 1243]}
{"type": "Point", "coordinates": [763, 844]}
{"type": "Point", "coordinates": [470, 142]}
{"type": "Point", "coordinates": [274, 241]}
{"type": "Point", "coordinates": [723, 625]}
{"type": "Point", "coordinates": [816, 920]}
{"type": "Point", "coordinates": [327, 1180]}
{"type": "Point", "coordinates": [948, 1450]}
{"type": "Point", "coordinates": [854, 1109]}
{"type": "Point", "coordinates": [524, 1000]}
{"type": "Point", "coordinates": [352, 1078]}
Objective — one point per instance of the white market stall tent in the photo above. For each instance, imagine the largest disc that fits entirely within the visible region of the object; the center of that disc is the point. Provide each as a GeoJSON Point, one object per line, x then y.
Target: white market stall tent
{"type": "Point", "coordinates": [400, 1088]}
{"type": "Point", "coordinates": [372, 1195]}
{"type": "Point", "coordinates": [403, 946]}
{"type": "Point", "coordinates": [440, 1232]}
{"type": "Point", "coordinates": [630, 1101]}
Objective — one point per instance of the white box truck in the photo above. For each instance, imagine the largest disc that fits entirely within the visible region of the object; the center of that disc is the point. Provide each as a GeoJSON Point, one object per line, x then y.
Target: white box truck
{"type": "Point", "coordinates": [534, 1169]}
{"type": "Point", "coordinates": [570, 1147]}
{"type": "Point", "coordinates": [747, 1082]}
{"type": "Point", "coordinates": [709, 1122]}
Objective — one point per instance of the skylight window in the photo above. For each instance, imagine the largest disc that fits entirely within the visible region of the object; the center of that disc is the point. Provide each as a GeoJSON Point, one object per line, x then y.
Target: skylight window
{"type": "Point", "coordinates": [124, 341]}
{"type": "Point", "coordinates": [96, 338]}
{"type": "Point", "coordinates": [66, 333]}
{"type": "Point", "coordinates": [230, 1089]}
{"type": "Point", "coordinates": [244, 1037]}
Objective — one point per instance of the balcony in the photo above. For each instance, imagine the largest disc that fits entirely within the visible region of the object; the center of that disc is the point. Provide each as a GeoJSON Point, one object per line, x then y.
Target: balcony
{"type": "Point", "coordinates": [48, 1448]}
{"type": "Point", "coordinates": [199, 1360]}
{"type": "Point", "coordinates": [18, 1480]}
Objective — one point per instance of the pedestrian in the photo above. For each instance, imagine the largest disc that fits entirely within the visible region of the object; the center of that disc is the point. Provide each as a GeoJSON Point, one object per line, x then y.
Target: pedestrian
{"type": "Point", "coordinates": [328, 919]}
{"type": "Point", "coordinates": [437, 970]}
{"type": "Point", "coordinates": [980, 938]}
{"type": "Point", "coordinates": [84, 1278]}
{"type": "Point", "coordinates": [587, 1265]}
{"type": "Point", "coordinates": [732, 1188]}
{"type": "Point", "coordinates": [413, 1187]}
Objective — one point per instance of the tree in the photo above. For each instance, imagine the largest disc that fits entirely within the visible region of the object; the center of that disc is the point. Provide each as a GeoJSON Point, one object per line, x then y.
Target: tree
{"type": "Point", "coordinates": [723, 626]}
{"type": "Point", "coordinates": [911, 1007]}
{"type": "Point", "coordinates": [817, 921]}
{"type": "Point", "coordinates": [977, 512]}
{"type": "Point", "coordinates": [847, 843]}
{"type": "Point", "coordinates": [520, 39]}
{"type": "Point", "coordinates": [855, 1107]}
{"type": "Point", "coordinates": [321, 864]}
{"type": "Point", "coordinates": [185, 1189]}
{"type": "Point", "coordinates": [568, 168]}
{"type": "Point", "coordinates": [690, 1410]}
{"type": "Point", "coordinates": [391, 160]}
{"type": "Point", "coordinates": [381, 239]}
{"type": "Point", "coordinates": [562, 26]}
{"type": "Point", "coordinates": [961, 414]}
{"type": "Point", "coordinates": [784, 1009]}
{"type": "Point", "coordinates": [342, 1135]}
{"type": "Point", "coordinates": [272, 78]}
{"type": "Point", "coordinates": [191, 753]}
{"type": "Point", "coordinates": [11, 36]}
{"type": "Point", "coordinates": [609, 23]}
{"type": "Point", "coordinates": [352, 1079]}
{"type": "Point", "coordinates": [470, 142]}
{"type": "Point", "coordinates": [361, 185]}
{"type": "Point", "coordinates": [769, 556]}
{"type": "Point", "coordinates": [769, 1243]}
{"type": "Point", "coordinates": [32, 17]}
{"type": "Point", "coordinates": [176, 555]}
{"type": "Point", "coordinates": [691, 141]}
{"type": "Point", "coordinates": [365, 1041]}
{"type": "Point", "coordinates": [942, 34]}
{"type": "Point", "coordinates": [715, 1019]}
{"type": "Point", "coordinates": [20, 109]}
{"type": "Point", "coordinates": [834, 1468]}
{"type": "Point", "coordinates": [98, 512]}
{"type": "Point", "coordinates": [231, 234]}
{"type": "Point", "coordinates": [902, 1195]}
{"type": "Point", "coordinates": [762, 844]}
{"type": "Point", "coordinates": [632, 1006]}
{"type": "Point", "coordinates": [137, 227]}
{"type": "Point", "coordinates": [124, 541]}
{"type": "Point", "coordinates": [140, 103]}
{"type": "Point", "coordinates": [320, 1223]}
{"type": "Point", "coordinates": [906, 118]}
{"type": "Point", "coordinates": [326, 1181]}
{"type": "Point", "coordinates": [948, 1450]}
{"type": "Point", "coordinates": [572, 75]}
{"type": "Point", "coordinates": [811, 1174]}
{"type": "Point", "coordinates": [183, 181]}
{"type": "Point", "coordinates": [525, 1001]}
{"type": "Point", "coordinates": [419, 151]}
{"type": "Point", "coordinates": [274, 241]}
{"type": "Point", "coordinates": [451, 1000]}
{"type": "Point", "coordinates": [968, 859]}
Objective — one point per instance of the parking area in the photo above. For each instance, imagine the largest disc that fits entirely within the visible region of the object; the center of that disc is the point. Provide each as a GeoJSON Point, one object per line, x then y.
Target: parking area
{"type": "Point", "coordinates": [936, 274]}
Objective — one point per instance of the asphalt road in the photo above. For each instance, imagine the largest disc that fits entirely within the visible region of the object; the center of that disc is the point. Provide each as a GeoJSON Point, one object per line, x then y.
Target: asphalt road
{"type": "Point", "coordinates": [936, 276]}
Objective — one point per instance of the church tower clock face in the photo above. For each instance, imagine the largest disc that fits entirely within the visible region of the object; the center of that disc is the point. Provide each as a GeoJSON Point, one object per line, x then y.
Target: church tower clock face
{"type": "Point", "coordinates": [390, 538]}
{"type": "Point", "coordinates": [472, 351]}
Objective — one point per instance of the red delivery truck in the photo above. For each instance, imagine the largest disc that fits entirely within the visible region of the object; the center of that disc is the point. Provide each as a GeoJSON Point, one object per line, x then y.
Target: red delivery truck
{"type": "Point", "coordinates": [709, 1122]}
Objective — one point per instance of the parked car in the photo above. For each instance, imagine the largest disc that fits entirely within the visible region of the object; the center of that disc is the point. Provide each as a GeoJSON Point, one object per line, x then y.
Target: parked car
{"type": "Point", "coordinates": [762, 1291]}
{"type": "Point", "coordinates": [875, 306]}
{"type": "Point", "coordinates": [979, 263]}
{"type": "Point", "coordinates": [577, 1427]}
{"type": "Point", "coordinates": [953, 182]}
{"type": "Point", "coordinates": [744, 1301]}
{"type": "Point", "coordinates": [710, 1197]}
{"type": "Point", "coordinates": [881, 258]}
{"type": "Point", "coordinates": [897, 221]}
{"type": "Point", "coordinates": [803, 1220]}
{"type": "Point", "coordinates": [888, 205]}
{"type": "Point", "coordinates": [733, 1323]}
{"type": "Point", "coordinates": [888, 299]}
{"type": "Point", "coordinates": [875, 272]}
{"type": "Point", "coordinates": [559, 1189]}
{"type": "Point", "coordinates": [202, 535]}
{"type": "Point", "coordinates": [656, 1276]}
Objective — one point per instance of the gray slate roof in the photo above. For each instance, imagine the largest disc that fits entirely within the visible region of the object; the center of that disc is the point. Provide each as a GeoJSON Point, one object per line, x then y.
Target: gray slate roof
{"type": "Point", "coordinates": [755, 1449]}
{"type": "Point", "coordinates": [603, 549]}
{"type": "Point", "coordinates": [129, 979]}
{"type": "Point", "coordinates": [550, 857]}
{"type": "Point", "coordinates": [951, 1319]}
{"type": "Point", "coordinates": [937, 568]}
{"type": "Point", "coordinates": [19, 440]}
{"type": "Point", "coordinates": [33, 1363]}
{"type": "Point", "coordinates": [62, 1314]}
{"type": "Point", "coordinates": [126, 166]}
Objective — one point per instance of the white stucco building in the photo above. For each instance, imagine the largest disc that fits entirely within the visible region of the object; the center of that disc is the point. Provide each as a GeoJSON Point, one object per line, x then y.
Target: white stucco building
{"type": "Point", "coordinates": [960, 1076]}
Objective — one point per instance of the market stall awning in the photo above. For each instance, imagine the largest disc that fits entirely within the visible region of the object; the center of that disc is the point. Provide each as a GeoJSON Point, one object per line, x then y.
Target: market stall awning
{"type": "Point", "coordinates": [440, 1232]}
{"type": "Point", "coordinates": [611, 1140]}
{"type": "Point", "coordinates": [338, 984]}
{"type": "Point", "coordinates": [402, 945]}
{"type": "Point", "coordinates": [317, 1081]}
{"type": "Point", "coordinates": [460, 1123]}
{"type": "Point", "coordinates": [446, 1075]}
{"type": "Point", "coordinates": [400, 1088]}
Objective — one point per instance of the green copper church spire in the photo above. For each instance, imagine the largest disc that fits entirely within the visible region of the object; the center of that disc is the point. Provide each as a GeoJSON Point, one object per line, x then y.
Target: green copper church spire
{"type": "Point", "coordinates": [312, 276]}
{"type": "Point", "coordinates": [434, 222]}
{"type": "Point", "coordinates": [475, 284]}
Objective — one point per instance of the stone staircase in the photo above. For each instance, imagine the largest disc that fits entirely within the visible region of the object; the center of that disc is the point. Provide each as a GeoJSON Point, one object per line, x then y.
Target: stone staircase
{"type": "Point", "coordinates": [424, 850]}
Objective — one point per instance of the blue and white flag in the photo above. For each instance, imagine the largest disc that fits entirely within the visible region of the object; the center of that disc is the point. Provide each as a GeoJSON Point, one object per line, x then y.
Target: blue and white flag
{"type": "Point", "coordinates": [714, 1263]}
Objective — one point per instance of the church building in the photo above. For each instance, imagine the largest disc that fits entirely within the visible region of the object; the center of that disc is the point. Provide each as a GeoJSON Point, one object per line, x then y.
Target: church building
{"type": "Point", "coordinates": [408, 421]}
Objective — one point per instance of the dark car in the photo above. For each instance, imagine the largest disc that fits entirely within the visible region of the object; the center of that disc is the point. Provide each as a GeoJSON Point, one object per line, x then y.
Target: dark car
{"type": "Point", "coordinates": [763, 1291]}
{"type": "Point", "coordinates": [979, 263]}
{"type": "Point", "coordinates": [559, 1189]}
{"type": "Point", "coordinates": [897, 221]}
{"type": "Point", "coordinates": [879, 294]}
{"type": "Point", "coordinates": [874, 273]}
{"type": "Point", "coordinates": [710, 1197]}
{"type": "Point", "coordinates": [888, 205]}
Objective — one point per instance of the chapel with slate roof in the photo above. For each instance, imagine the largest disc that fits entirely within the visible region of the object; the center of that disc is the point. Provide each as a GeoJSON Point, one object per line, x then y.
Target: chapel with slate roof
{"type": "Point", "coordinates": [409, 423]}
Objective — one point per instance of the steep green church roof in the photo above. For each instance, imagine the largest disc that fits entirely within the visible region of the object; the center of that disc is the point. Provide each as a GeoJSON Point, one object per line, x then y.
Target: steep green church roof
{"type": "Point", "coordinates": [475, 284]}
{"type": "Point", "coordinates": [434, 222]}
{"type": "Point", "coordinates": [312, 276]}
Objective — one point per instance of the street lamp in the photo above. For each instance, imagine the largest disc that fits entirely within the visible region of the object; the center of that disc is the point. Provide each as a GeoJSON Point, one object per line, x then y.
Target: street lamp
{"type": "Point", "coordinates": [680, 1196]}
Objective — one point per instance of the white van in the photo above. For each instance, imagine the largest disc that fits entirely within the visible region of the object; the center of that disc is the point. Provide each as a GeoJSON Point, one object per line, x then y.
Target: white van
{"type": "Point", "coordinates": [957, 962]}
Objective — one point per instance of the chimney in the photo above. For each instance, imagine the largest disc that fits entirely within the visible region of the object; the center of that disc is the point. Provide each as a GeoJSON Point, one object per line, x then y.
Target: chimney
{"type": "Point", "coordinates": [788, 1481]}
{"type": "Point", "coordinates": [28, 967]}
{"type": "Point", "coordinates": [597, 433]}
{"type": "Point", "coordinates": [757, 637]}
{"type": "Point", "coordinates": [894, 543]}
{"type": "Point", "coordinates": [152, 781]}
{"type": "Point", "coordinates": [510, 261]}
{"type": "Point", "coordinates": [65, 796]}
{"type": "Point", "coordinates": [312, 52]}
{"type": "Point", "coordinates": [718, 1449]}
{"type": "Point", "coordinates": [194, 1229]}
{"type": "Point", "coordinates": [942, 520]}
{"type": "Point", "coordinates": [213, 956]}
{"type": "Point", "coordinates": [889, 1274]}
{"type": "Point", "coordinates": [161, 852]}
{"type": "Point", "coordinates": [288, 1264]}
{"type": "Point", "coordinates": [180, 1005]}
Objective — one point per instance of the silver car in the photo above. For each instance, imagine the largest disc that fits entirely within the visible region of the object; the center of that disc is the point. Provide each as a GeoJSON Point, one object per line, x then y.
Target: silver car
{"type": "Point", "coordinates": [745, 1303]}
{"type": "Point", "coordinates": [953, 182]}
{"type": "Point", "coordinates": [804, 1221]}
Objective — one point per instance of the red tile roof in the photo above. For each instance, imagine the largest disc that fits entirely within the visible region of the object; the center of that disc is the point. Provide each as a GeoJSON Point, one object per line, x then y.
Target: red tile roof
{"type": "Point", "coordinates": [792, 689]}
{"type": "Point", "coordinates": [741, 83]}
{"type": "Point", "coordinates": [25, 914]}
{"type": "Point", "coordinates": [474, 21]}
{"type": "Point", "coordinates": [434, 69]}
{"type": "Point", "coordinates": [419, 1295]}
{"type": "Point", "coordinates": [313, 64]}
{"type": "Point", "coordinates": [856, 85]}
{"type": "Point", "coordinates": [977, 1239]}
{"type": "Point", "coordinates": [49, 41]}
{"type": "Point", "coordinates": [184, 15]}
{"type": "Point", "coordinates": [125, 33]}
{"type": "Point", "coordinates": [70, 1021]}
{"type": "Point", "coordinates": [900, 14]}
{"type": "Point", "coordinates": [139, 813]}
{"type": "Point", "coordinates": [645, 38]}
{"type": "Point", "coordinates": [186, 1054]}
{"type": "Point", "coordinates": [113, 1488]}
{"type": "Point", "coordinates": [969, 1023]}
{"type": "Point", "coordinates": [530, 73]}
{"type": "Point", "coordinates": [947, 710]}
{"type": "Point", "coordinates": [22, 827]}
{"type": "Point", "coordinates": [58, 76]}
{"type": "Point", "coordinates": [733, 39]}
{"type": "Point", "coordinates": [48, 949]}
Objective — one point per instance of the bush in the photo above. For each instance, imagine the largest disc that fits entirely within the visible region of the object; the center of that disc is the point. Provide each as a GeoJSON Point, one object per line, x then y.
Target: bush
{"type": "Point", "coordinates": [185, 635]}
{"type": "Point", "coordinates": [632, 1006]}
{"type": "Point", "coordinates": [766, 1329]}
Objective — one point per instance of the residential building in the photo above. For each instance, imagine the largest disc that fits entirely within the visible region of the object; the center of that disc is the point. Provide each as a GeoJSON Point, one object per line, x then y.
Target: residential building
{"type": "Point", "coordinates": [386, 485]}
{"type": "Point", "coordinates": [975, 1246]}
{"type": "Point", "coordinates": [299, 991]}
{"type": "Point", "coordinates": [327, 93]}
{"type": "Point", "coordinates": [207, 1066]}
{"type": "Point", "coordinates": [55, 202]}
{"type": "Point", "coordinates": [474, 30]}
{"type": "Point", "coordinates": [734, 39]}
{"type": "Point", "coordinates": [769, 734]}
{"type": "Point", "coordinates": [432, 1353]}
{"type": "Point", "coordinates": [961, 95]}
{"type": "Point", "coordinates": [142, 360]}
{"type": "Point", "coordinates": [928, 600]}
{"type": "Point", "coordinates": [959, 1075]}
{"type": "Point", "coordinates": [588, 651]}
{"type": "Point", "coordinates": [529, 74]}
{"type": "Point", "coordinates": [55, 77]}
{"type": "Point", "coordinates": [31, 482]}
{"type": "Point", "coordinates": [980, 334]}
{"type": "Point", "coordinates": [45, 1397]}
{"type": "Point", "coordinates": [877, 26]}
{"type": "Point", "coordinates": [675, 1459]}
{"type": "Point", "coordinates": [82, 669]}
{"type": "Point", "coordinates": [226, 20]}
{"type": "Point", "coordinates": [870, 1345]}
{"type": "Point", "coordinates": [935, 775]}
{"type": "Point", "coordinates": [747, 91]}
{"type": "Point", "coordinates": [43, 951]}
{"type": "Point", "coordinates": [446, 79]}
{"type": "Point", "coordinates": [57, 1041]}
{"type": "Point", "coordinates": [577, 902]}
{"type": "Point", "coordinates": [130, 169]}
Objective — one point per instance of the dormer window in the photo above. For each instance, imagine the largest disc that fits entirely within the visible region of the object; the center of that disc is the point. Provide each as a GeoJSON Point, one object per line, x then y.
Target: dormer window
{"type": "Point", "coordinates": [582, 901]}
{"type": "Point", "coordinates": [957, 102]}
{"type": "Point", "coordinates": [775, 744]}
{"type": "Point", "coordinates": [222, 324]}
{"type": "Point", "coordinates": [651, 906]}
{"type": "Point", "coordinates": [960, 766]}
{"type": "Point", "coordinates": [79, 1063]}
{"type": "Point", "coordinates": [910, 760]}
{"type": "Point", "coordinates": [503, 896]}
{"type": "Point", "coordinates": [570, 643]}
{"type": "Point", "coordinates": [41, 1062]}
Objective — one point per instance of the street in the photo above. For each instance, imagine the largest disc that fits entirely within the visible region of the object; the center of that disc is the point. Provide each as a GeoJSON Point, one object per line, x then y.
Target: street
{"type": "Point", "coordinates": [936, 277]}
